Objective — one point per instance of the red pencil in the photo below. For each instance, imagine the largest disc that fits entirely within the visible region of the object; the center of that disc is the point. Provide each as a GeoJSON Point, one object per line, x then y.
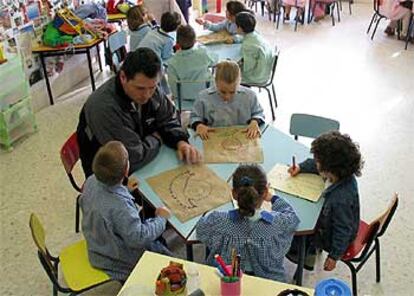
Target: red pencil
{"type": "Point", "coordinates": [222, 264]}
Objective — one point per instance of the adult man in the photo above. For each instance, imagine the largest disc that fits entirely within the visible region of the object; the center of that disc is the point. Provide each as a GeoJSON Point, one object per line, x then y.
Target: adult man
{"type": "Point", "coordinates": [131, 108]}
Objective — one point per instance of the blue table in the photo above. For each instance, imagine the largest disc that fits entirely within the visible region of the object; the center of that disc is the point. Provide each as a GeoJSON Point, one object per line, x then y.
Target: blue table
{"type": "Point", "coordinates": [277, 148]}
{"type": "Point", "coordinates": [226, 51]}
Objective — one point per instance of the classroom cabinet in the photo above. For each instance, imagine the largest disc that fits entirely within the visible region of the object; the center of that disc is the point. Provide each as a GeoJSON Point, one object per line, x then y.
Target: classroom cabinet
{"type": "Point", "coordinates": [16, 112]}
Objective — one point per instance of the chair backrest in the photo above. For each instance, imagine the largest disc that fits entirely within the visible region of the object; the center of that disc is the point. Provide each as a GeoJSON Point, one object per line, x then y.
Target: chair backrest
{"type": "Point", "coordinates": [187, 92]}
{"type": "Point", "coordinates": [276, 54]}
{"type": "Point", "coordinates": [311, 126]}
{"type": "Point", "coordinates": [386, 217]}
{"type": "Point", "coordinates": [69, 155]}
{"type": "Point", "coordinates": [117, 49]}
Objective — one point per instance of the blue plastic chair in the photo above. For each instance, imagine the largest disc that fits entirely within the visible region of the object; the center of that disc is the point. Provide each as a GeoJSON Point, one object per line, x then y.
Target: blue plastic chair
{"type": "Point", "coordinates": [117, 50]}
{"type": "Point", "coordinates": [187, 92]}
{"type": "Point", "coordinates": [311, 126]}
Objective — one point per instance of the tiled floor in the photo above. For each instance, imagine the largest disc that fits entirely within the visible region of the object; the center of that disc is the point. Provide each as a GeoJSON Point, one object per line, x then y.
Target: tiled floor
{"type": "Point", "coordinates": [335, 72]}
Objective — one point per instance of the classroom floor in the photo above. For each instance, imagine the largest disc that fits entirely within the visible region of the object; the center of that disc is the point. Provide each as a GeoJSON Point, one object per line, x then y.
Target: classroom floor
{"type": "Point", "coordinates": [336, 72]}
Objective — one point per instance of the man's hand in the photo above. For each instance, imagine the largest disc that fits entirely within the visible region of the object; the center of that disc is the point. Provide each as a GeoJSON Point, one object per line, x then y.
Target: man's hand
{"type": "Point", "coordinates": [188, 153]}
{"type": "Point", "coordinates": [202, 130]}
{"type": "Point", "coordinates": [329, 264]}
{"type": "Point", "coordinates": [253, 130]}
{"type": "Point", "coordinates": [157, 135]}
{"type": "Point", "coordinates": [163, 212]}
{"type": "Point", "coordinates": [133, 183]}
{"type": "Point", "coordinates": [294, 170]}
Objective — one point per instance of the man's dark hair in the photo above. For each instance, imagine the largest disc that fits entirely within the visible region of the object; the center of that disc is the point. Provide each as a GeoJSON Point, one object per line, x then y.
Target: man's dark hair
{"type": "Point", "coordinates": [337, 154]}
{"type": "Point", "coordinates": [110, 163]}
{"type": "Point", "coordinates": [246, 21]}
{"type": "Point", "coordinates": [234, 7]}
{"type": "Point", "coordinates": [186, 37]}
{"type": "Point", "coordinates": [144, 60]}
{"type": "Point", "coordinates": [170, 21]}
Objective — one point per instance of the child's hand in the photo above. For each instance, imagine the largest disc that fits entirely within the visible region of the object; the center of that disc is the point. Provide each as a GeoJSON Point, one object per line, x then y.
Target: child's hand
{"type": "Point", "coordinates": [253, 130]}
{"type": "Point", "coordinates": [150, 17]}
{"type": "Point", "coordinates": [294, 170]}
{"type": "Point", "coordinates": [163, 212]}
{"type": "Point", "coordinates": [133, 183]}
{"type": "Point", "coordinates": [329, 264]}
{"type": "Point", "coordinates": [202, 130]}
{"type": "Point", "coordinates": [200, 21]}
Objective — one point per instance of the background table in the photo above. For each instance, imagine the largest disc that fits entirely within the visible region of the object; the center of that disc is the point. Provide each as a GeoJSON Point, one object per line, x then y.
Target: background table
{"type": "Point", "coordinates": [142, 279]}
{"type": "Point", "coordinates": [46, 51]}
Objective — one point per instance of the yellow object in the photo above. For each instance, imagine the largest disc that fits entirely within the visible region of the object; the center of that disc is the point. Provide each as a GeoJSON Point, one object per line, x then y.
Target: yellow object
{"type": "Point", "coordinates": [306, 186]}
{"type": "Point", "coordinates": [79, 275]}
{"type": "Point", "coordinates": [148, 267]}
{"type": "Point", "coordinates": [67, 15]}
{"type": "Point", "coordinates": [2, 55]}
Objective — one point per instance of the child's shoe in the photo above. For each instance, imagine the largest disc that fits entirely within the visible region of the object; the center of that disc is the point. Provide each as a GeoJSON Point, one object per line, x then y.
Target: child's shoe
{"type": "Point", "coordinates": [389, 31]}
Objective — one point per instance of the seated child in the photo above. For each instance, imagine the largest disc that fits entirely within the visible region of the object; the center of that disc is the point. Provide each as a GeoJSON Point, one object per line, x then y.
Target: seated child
{"type": "Point", "coordinates": [139, 24]}
{"type": "Point", "coordinates": [227, 104]}
{"type": "Point", "coordinates": [397, 10]}
{"type": "Point", "coordinates": [160, 40]}
{"type": "Point", "coordinates": [115, 234]}
{"type": "Point", "coordinates": [261, 238]}
{"type": "Point", "coordinates": [190, 63]}
{"type": "Point", "coordinates": [338, 160]}
{"type": "Point", "coordinates": [257, 55]}
{"type": "Point", "coordinates": [232, 9]}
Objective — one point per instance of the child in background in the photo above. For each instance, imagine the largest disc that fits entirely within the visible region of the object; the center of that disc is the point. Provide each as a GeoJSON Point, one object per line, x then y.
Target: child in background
{"type": "Point", "coordinates": [300, 6]}
{"type": "Point", "coordinates": [111, 224]}
{"type": "Point", "coordinates": [262, 238]}
{"type": "Point", "coordinates": [338, 160]}
{"type": "Point", "coordinates": [190, 63]}
{"type": "Point", "coordinates": [160, 40]}
{"type": "Point", "coordinates": [139, 24]}
{"type": "Point", "coordinates": [232, 9]}
{"type": "Point", "coordinates": [257, 56]}
{"type": "Point", "coordinates": [227, 104]}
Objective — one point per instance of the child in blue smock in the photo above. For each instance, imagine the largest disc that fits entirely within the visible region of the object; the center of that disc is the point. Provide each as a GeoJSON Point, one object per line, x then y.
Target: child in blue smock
{"type": "Point", "coordinates": [262, 238]}
{"type": "Point", "coordinates": [229, 24]}
{"type": "Point", "coordinates": [191, 62]}
{"type": "Point", "coordinates": [227, 104]}
{"type": "Point", "coordinates": [139, 24]}
{"type": "Point", "coordinates": [257, 55]}
{"type": "Point", "coordinates": [161, 40]}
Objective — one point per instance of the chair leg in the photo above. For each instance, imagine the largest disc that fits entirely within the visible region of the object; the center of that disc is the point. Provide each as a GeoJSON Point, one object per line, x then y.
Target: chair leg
{"type": "Point", "coordinates": [353, 276]}
{"type": "Point", "coordinates": [350, 9]}
{"type": "Point", "coordinates": [77, 214]}
{"type": "Point", "coordinates": [377, 260]}
{"type": "Point", "coordinates": [274, 95]}
{"type": "Point", "coordinates": [278, 17]}
{"type": "Point", "coordinates": [339, 13]}
{"type": "Point", "coordinates": [296, 20]}
{"type": "Point", "coordinates": [271, 103]}
{"type": "Point", "coordinates": [375, 28]}
{"type": "Point", "coordinates": [371, 22]}
{"type": "Point", "coordinates": [409, 31]}
{"type": "Point", "coordinates": [332, 13]}
{"type": "Point", "coordinates": [262, 3]}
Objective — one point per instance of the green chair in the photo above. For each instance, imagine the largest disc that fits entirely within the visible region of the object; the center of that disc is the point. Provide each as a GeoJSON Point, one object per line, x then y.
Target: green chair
{"type": "Point", "coordinates": [311, 126]}
{"type": "Point", "coordinates": [78, 273]}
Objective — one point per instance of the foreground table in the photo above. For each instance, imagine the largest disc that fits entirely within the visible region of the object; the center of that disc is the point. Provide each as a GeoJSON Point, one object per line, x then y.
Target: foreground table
{"type": "Point", "coordinates": [143, 277]}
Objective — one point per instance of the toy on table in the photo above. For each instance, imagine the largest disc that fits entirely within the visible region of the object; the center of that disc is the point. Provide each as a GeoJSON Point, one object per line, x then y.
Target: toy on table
{"type": "Point", "coordinates": [171, 281]}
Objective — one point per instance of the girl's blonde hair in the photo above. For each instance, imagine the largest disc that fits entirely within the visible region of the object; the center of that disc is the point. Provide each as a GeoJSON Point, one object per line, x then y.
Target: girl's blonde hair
{"type": "Point", "coordinates": [228, 72]}
{"type": "Point", "coordinates": [136, 17]}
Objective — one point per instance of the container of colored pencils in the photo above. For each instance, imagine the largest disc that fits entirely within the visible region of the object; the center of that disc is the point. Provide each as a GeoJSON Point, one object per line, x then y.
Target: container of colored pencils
{"type": "Point", "coordinates": [231, 285]}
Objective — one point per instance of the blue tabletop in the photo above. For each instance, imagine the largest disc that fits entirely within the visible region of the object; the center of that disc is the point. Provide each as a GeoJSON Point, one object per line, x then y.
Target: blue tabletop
{"type": "Point", "coordinates": [226, 51]}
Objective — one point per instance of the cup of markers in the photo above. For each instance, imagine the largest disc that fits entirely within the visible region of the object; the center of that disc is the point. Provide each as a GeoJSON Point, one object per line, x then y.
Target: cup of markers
{"type": "Point", "coordinates": [230, 276]}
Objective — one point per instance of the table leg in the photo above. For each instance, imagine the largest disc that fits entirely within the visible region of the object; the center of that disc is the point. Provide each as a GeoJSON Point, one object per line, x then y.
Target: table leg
{"type": "Point", "coordinates": [88, 53]}
{"type": "Point", "coordinates": [99, 57]}
{"type": "Point", "coordinates": [302, 251]}
{"type": "Point", "coordinates": [190, 255]}
{"type": "Point", "coordinates": [49, 90]}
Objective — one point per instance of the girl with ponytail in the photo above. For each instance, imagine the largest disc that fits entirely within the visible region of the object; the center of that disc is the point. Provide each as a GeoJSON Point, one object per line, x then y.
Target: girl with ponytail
{"type": "Point", "coordinates": [261, 237]}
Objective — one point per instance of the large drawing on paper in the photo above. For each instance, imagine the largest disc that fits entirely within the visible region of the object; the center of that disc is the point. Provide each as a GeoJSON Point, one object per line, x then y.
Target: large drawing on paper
{"type": "Point", "coordinates": [307, 186]}
{"type": "Point", "coordinates": [230, 145]}
{"type": "Point", "coordinates": [214, 38]}
{"type": "Point", "coordinates": [189, 191]}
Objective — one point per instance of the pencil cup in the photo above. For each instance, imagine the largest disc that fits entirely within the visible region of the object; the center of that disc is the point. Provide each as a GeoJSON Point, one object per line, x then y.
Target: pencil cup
{"type": "Point", "coordinates": [230, 288]}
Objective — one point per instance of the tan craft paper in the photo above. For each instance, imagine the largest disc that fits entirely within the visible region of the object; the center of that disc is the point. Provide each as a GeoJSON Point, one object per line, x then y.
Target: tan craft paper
{"type": "Point", "coordinates": [213, 38]}
{"type": "Point", "coordinates": [230, 145]}
{"type": "Point", "coordinates": [189, 191]}
{"type": "Point", "coordinates": [306, 186]}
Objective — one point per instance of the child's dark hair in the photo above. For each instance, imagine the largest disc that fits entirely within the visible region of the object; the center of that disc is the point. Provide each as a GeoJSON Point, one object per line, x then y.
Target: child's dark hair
{"type": "Point", "coordinates": [246, 21]}
{"type": "Point", "coordinates": [249, 184]}
{"type": "Point", "coordinates": [234, 7]}
{"type": "Point", "coordinates": [135, 17]}
{"type": "Point", "coordinates": [337, 154]}
{"type": "Point", "coordinates": [170, 21]}
{"type": "Point", "coordinates": [186, 37]}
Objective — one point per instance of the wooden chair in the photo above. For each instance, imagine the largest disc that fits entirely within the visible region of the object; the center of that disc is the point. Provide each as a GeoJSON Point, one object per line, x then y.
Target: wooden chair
{"type": "Point", "coordinates": [78, 273]}
{"type": "Point", "coordinates": [311, 126]}
{"type": "Point", "coordinates": [69, 155]}
{"type": "Point", "coordinates": [367, 242]}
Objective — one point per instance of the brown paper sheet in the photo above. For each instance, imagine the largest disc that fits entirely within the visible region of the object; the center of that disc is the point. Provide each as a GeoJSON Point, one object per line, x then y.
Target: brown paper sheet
{"type": "Point", "coordinates": [189, 191]}
{"type": "Point", "coordinates": [214, 38]}
{"type": "Point", "coordinates": [230, 145]}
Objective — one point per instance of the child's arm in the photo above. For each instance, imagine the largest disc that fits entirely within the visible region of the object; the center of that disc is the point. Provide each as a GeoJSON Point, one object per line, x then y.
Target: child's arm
{"type": "Point", "coordinates": [215, 27]}
{"type": "Point", "coordinates": [257, 112]}
{"type": "Point", "coordinates": [285, 215]}
{"type": "Point", "coordinates": [308, 166]}
{"type": "Point", "coordinates": [168, 50]}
